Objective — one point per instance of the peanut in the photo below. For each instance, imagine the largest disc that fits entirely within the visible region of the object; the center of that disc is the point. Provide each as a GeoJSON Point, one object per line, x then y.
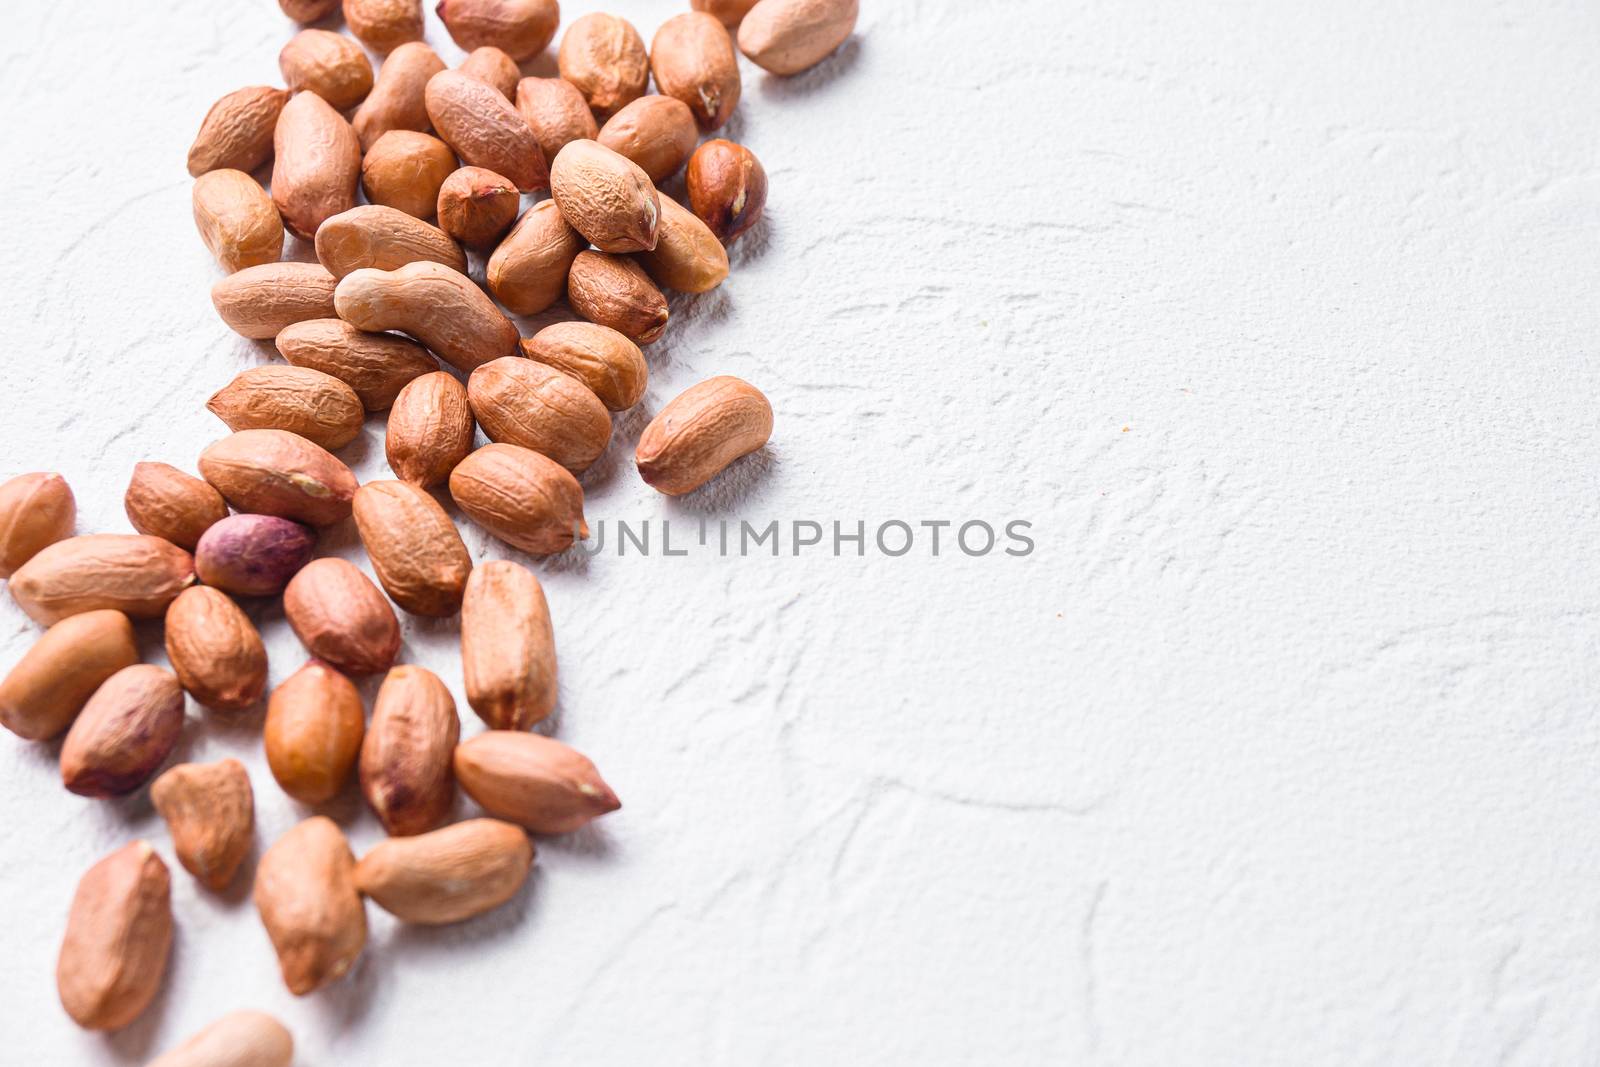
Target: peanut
{"type": "Point", "coordinates": [215, 650]}
{"type": "Point", "coordinates": [253, 555]}
{"type": "Point", "coordinates": [556, 111]}
{"type": "Point", "coordinates": [692, 58]}
{"type": "Point", "coordinates": [531, 404]}
{"type": "Point", "coordinates": [727, 188]}
{"type": "Point", "coordinates": [447, 875]}
{"type": "Point", "coordinates": [528, 270]}
{"type": "Point", "coordinates": [606, 361]}
{"type": "Point", "coordinates": [397, 98]}
{"type": "Point", "coordinates": [415, 549]}
{"type": "Point", "coordinates": [131, 573]}
{"type": "Point", "coordinates": [163, 501]}
{"type": "Point", "coordinates": [237, 219]}
{"type": "Point", "coordinates": [125, 731]}
{"type": "Point", "coordinates": [430, 430]}
{"type": "Point", "coordinates": [54, 679]}
{"type": "Point", "coordinates": [119, 933]}
{"type": "Point", "coordinates": [614, 291]}
{"type": "Point", "coordinates": [484, 129]}
{"type": "Point", "coordinates": [533, 781]}
{"type": "Point", "coordinates": [508, 647]}
{"type": "Point", "coordinates": [317, 165]}
{"type": "Point", "coordinates": [789, 36]}
{"type": "Point", "coordinates": [438, 306]}
{"type": "Point", "coordinates": [274, 472]}
{"type": "Point", "coordinates": [376, 365]}
{"type": "Point", "coordinates": [258, 302]}
{"type": "Point", "coordinates": [493, 67]}
{"type": "Point", "coordinates": [605, 196]}
{"type": "Point", "coordinates": [705, 428]}
{"type": "Point", "coordinates": [527, 500]}
{"type": "Point", "coordinates": [655, 132]}
{"type": "Point", "coordinates": [523, 28]}
{"type": "Point", "coordinates": [729, 12]}
{"type": "Point", "coordinates": [317, 406]}
{"type": "Point", "coordinates": [306, 894]}
{"type": "Point", "coordinates": [404, 170]}
{"type": "Point", "coordinates": [236, 133]}
{"type": "Point", "coordinates": [210, 811]}
{"type": "Point", "coordinates": [341, 617]}
{"type": "Point", "coordinates": [384, 239]}
{"type": "Point", "coordinates": [384, 25]}
{"type": "Point", "coordinates": [687, 256]}
{"type": "Point", "coordinates": [476, 206]}
{"type": "Point", "coordinates": [405, 759]}
{"type": "Point", "coordinates": [308, 10]}
{"type": "Point", "coordinates": [238, 1039]}
{"type": "Point", "coordinates": [313, 732]}
{"type": "Point", "coordinates": [36, 511]}
{"type": "Point", "coordinates": [604, 56]}
{"type": "Point", "coordinates": [325, 63]}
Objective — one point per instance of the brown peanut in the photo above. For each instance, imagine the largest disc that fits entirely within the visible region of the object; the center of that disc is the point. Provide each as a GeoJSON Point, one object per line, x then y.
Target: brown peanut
{"type": "Point", "coordinates": [253, 555]}
{"type": "Point", "coordinates": [54, 679]}
{"type": "Point", "coordinates": [237, 132]}
{"type": "Point", "coordinates": [604, 56]}
{"type": "Point", "coordinates": [317, 406]}
{"type": "Point", "coordinates": [317, 164]}
{"type": "Point", "coordinates": [210, 811]}
{"type": "Point", "coordinates": [430, 430]}
{"type": "Point", "coordinates": [484, 129]}
{"type": "Point", "coordinates": [447, 875]}
{"type": "Point", "coordinates": [238, 1039]}
{"type": "Point", "coordinates": [376, 365]}
{"type": "Point", "coordinates": [789, 36]}
{"type": "Point", "coordinates": [528, 270]}
{"type": "Point", "coordinates": [727, 188]}
{"type": "Point", "coordinates": [163, 501]}
{"type": "Point", "coordinates": [605, 196]}
{"type": "Point", "coordinates": [415, 548]}
{"type": "Point", "coordinates": [308, 10]}
{"type": "Point", "coordinates": [531, 404]}
{"type": "Point", "coordinates": [476, 206]}
{"type": "Point", "coordinates": [383, 238]}
{"type": "Point", "coordinates": [556, 111]}
{"type": "Point", "coordinates": [237, 219]}
{"type": "Point", "coordinates": [328, 64]}
{"type": "Point", "coordinates": [119, 934]}
{"type": "Point", "coordinates": [341, 617]}
{"type": "Point", "coordinates": [692, 59]}
{"type": "Point", "coordinates": [705, 428]}
{"type": "Point", "coordinates": [258, 302]}
{"type": "Point", "coordinates": [523, 28]}
{"type": "Point", "coordinates": [36, 511]}
{"type": "Point", "coordinates": [606, 361]}
{"type": "Point", "coordinates": [687, 256]}
{"type": "Point", "coordinates": [655, 132]}
{"type": "Point", "coordinates": [384, 25]}
{"type": "Point", "coordinates": [527, 500]}
{"type": "Point", "coordinates": [615, 291]}
{"type": "Point", "coordinates": [215, 650]}
{"type": "Point", "coordinates": [493, 67]}
{"type": "Point", "coordinates": [131, 573]}
{"type": "Point", "coordinates": [533, 781]}
{"type": "Point", "coordinates": [508, 647]}
{"type": "Point", "coordinates": [404, 170]}
{"type": "Point", "coordinates": [274, 472]}
{"type": "Point", "coordinates": [313, 732]}
{"type": "Point", "coordinates": [729, 12]}
{"type": "Point", "coordinates": [397, 98]}
{"type": "Point", "coordinates": [306, 894]}
{"type": "Point", "coordinates": [405, 760]}
{"type": "Point", "coordinates": [438, 306]}
{"type": "Point", "coordinates": [125, 731]}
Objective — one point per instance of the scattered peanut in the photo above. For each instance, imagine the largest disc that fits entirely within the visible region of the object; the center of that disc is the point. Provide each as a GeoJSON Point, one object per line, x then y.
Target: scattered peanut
{"type": "Point", "coordinates": [447, 875]}
{"type": "Point", "coordinates": [414, 547]}
{"type": "Point", "coordinates": [383, 238]}
{"type": "Point", "coordinates": [692, 59]}
{"type": "Point", "coordinates": [384, 25]}
{"type": "Point", "coordinates": [274, 472]}
{"type": "Point", "coordinates": [119, 933]}
{"type": "Point", "coordinates": [687, 256]}
{"type": "Point", "coordinates": [215, 650]}
{"type": "Point", "coordinates": [237, 132]}
{"type": "Point", "coordinates": [655, 132]}
{"type": "Point", "coordinates": [317, 406]}
{"type": "Point", "coordinates": [317, 164]}
{"type": "Point", "coordinates": [397, 98]}
{"type": "Point", "coordinates": [508, 647]}
{"type": "Point", "coordinates": [533, 781]}
{"type": "Point", "coordinates": [484, 129]}
{"type": "Point", "coordinates": [341, 617]}
{"type": "Point", "coordinates": [606, 361]}
{"type": "Point", "coordinates": [125, 731]}
{"type": "Point", "coordinates": [604, 56]}
{"type": "Point", "coordinates": [556, 111]}
{"type": "Point", "coordinates": [253, 555]}
{"type": "Point", "coordinates": [55, 678]}
{"type": "Point", "coordinates": [312, 735]}
{"type": "Point", "coordinates": [493, 67]}
{"type": "Point", "coordinates": [210, 811]}
{"type": "Point", "coordinates": [258, 302]}
{"type": "Point", "coordinates": [438, 306]}
{"type": "Point", "coordinates": [237, 219]}
{"type": "Point", "coordinates": [605, 196]}
{"type": "Point", "coordinates": [404, 170]}
{"type": "Point", "coordinates": [405, 759]}
{"type": "Point", "coordinates": [131, 573]}
{"type": "Point", "coordinates": [615, 291]}
{"type": "Point", "coordinates": [430, 430]}
{"type": "Point", "coordinates": [789, 36]}
{"type": "Point", "coordinates": [36, 511]}
{"type": "Point", "coordinates": [328, 64]}
{"type": "Point", "coordinates": [521, 402]}
{"type": "Point", "coordinates": [238, 1039]}
{"type": "Point", "coordinates": [305, 891]}
{"type": "Point", "coordinates": [705, 428]}
{"type": "Point", "coordinates": [727, 188]}
{"type": "Point", "coordinates": [523, 28]}
{"type": "Point", "coordinates": [528, 270]}
{"type": "Point", "coordinates": [476, 206]}
{"type": "Point", "coordinates": [527, 500]}
{"type": "Point", "coordinates": [376, 365]}
{"type": "Point", "coordinates": [163, 501]}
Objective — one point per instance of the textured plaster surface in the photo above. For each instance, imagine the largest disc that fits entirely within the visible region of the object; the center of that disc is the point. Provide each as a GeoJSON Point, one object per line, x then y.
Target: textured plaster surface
{"type": "Point", "coordinates": [1276, 319]}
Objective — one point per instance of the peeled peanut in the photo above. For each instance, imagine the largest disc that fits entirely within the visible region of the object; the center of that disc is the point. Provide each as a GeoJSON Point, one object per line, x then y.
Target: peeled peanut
{"type": "Point", "coordinates": [237, 219]}
{"type": "Point", "coordinates": [384, 25]}
{"type": "Point", "coordinates": [312, 735]}
{"type": "Point", "coordinates": [729, 12]}
{"type": "Point", "coordinates": [789, 36]}
{"type": "Point", "coordinates": [484, 129]}
{"type": "Point", "coordinates": [405, 759]}
{"type": "Point", "coordinates": [376, 365]}
{"type": "Point", "coordinates": [237, 132]}
{"type": "Point", "coordinates": [533, 781]}
{"type": "Point", "coordinates": [131, 573]}
{"type": "Point", "coordinates": [238, 1039]}
{"type": "Point", "coordinates": [438, 306]}
{"type": "Point", "coordinates": [210, 811]}
{"type": "Point", "coordinates": [447, 875]}
{"type": "Point", "coordinates": [260, 301]}
{"type": "Point", "coordinates": [127, 728]}
{"type": "Point", "coordinates": [692, 58]}
{"type": "Point", "coordinates": [317, 164]}
{"type": "Point", "coordinates": [383, 238]}
{"type": "Point", "coordinates": [606, 361]}
{"type": "Point", "coordinates": [430, 430]}
{"type": "Point", "coordinates": [656, 132]}
{"type": "Point", "coordinates": [404, 170]}
{"type": "Point", "coordinates": [415, 548]}
{"type": "Point", "coordinates": [253, 555]}
{"type": "Point", "coordinates": [54, 679]}
{"type": "Point", "coordinates": [687, 256]}
{"type": "Point", "coordinates": [522, 27]}
{"type": "Point", "coordinates": [215, 649]}
{"type": "Point", "coordinates": [163, 501]}
{"type": "Point", "coordinates": [535, 406]}
{"type": "Point", "coordinates": [36, 511]}
{"type": "Point", "coordinates": [508, 647]}
{"type": "Point", "coordinates": [119, 933]}
{"type": "Point", "coordinates": [328, 64]}
{"type": "Point", "coordinates": [306, 894]}
{"type": "Point", "coordinates": [527, 500]}
{"type": "Point", "coordinates": [397, 98]}
{"type": "Point", "coordinates": [274, 472]}
{"type": "Point", "coordinates": [528, 270]}
{"type": "Point", "coordinates": [727, 188]}
{"type": "Point", "coordinates": [341, 617]}
{"type": "Point", "coordinates": [476, 205]}
{"type": "Point", "coordinates": [605, 196]}
{"type": "Point", "coordinates": [317, 406]}
{"type": "Point", "coordinates": [556, 111]}
{"type": "Point", "coordinates": [604, 56]}
{"type": "Point", "coordinates": [494, 67]}
{"type": "Point", "coordinates": [705, 428]}
{"type": "Point", "coordinates": [615, 291]}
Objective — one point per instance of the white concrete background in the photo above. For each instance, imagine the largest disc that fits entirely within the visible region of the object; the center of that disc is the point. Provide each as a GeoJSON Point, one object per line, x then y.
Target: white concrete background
{"type": "Point", "coordinates": [1277, 319]}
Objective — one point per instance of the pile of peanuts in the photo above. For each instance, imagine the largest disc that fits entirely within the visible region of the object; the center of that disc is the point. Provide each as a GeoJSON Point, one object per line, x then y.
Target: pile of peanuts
{"type": "Point", "coordinates": [443, 158]}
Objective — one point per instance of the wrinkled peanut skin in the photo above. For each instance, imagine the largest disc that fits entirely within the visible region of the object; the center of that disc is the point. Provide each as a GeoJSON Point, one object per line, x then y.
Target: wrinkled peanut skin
{"type": "Point", "coordinates": [528, 270]}
{"type": "Point", "coordinates": [210, 811]}
{"type": "Point", "coordinates": [164, 502]}
{"type": "Point", "coordinates": [476, 206]}
{"type": "Point", "coordinates": [556, 111]}
{"type": "Point", "coordinates": [415, 549]}
{"type": "Point", "coordinates": [125, 731]}
{"type": "Point", "coordinates": [687, 256]}
{"type": "Point", "coordinates": [238, 1039]}
{"type": "Point", "coordinates": [317, 164]}
{"type": "Point", "coordinates": [119, 934]}
{"type": "Point", "coordinates": [215, 650]}
{"type": "Point", "coordinates": [258, 302]}
{"type": "Point", "coordinates": [430, 430]}
{"type": "Point", "coordinates": [132, 573]}
{"type": "Point", "coordinates": [693, 59]}
{"type": "Point", "coordinates": [727, 188]}
{"type": "Point", "coordinates": [274, 472]}
{"type": "Point", "coordinates": [237, 220]}
{"type": "Point", "coordinates": [527, 500]}
{"type": "Point", "coordinates": [447, 875]}
{"type": "Point", "coordinates": [397, 100]}
{"type": "Point", "coordinates": [700, 432]}
{"type": "Point", "coordinates": [519, 401]}
{"type": "Point", "coordinates": [313, 732]}
{"type": "Point", "coordinates": [383, 238]}
{"type": "Point", "coordinates": [36, 511]}
{"type": "Point", "coordinates": [604, 56]}
{"type": "Point", "coordinates": [533, 781]}
{"type": "Point", "coordinates": [789, 36]}
{"type": "Point", "coordinates": [376, 366]}
{"type": "Point", "coordinates": [508, 647]}
{"type": "Point", "coordinates": [615, 291]}
{"type": "Point", "coordinates": [341, 617]}
{"type": "Point", "coordinates": [655, 132]}
{"type": "Point", "coordinates": [438, 306]}
{"type": "Point", "coordinates": [328, 64]}
{"type": "Point", "coordinates": [405, 169]}
{"type": "Point", "coordinates": [606, 361]}
{"type": "Point", "coordinates": [493, 66]}
{"type": "Point", "coordinates": [237, 132]}
{"type": "Point", "coordinates": [405, 759]}
{"type": "Point", "coordinates": [605, 196]}
{"type": "Point", "coordinates": [384, 25]}
{"type": "Point", "coordinates": [306, 895]}
{"type": "Point", "coordinates": [480, 124]}
{"type": "Point", "coordinates": [55, 678]}
{"type": "Point", "coordinates": [317, 406]}
{"type": "Point", "coordinates": [523, 28]}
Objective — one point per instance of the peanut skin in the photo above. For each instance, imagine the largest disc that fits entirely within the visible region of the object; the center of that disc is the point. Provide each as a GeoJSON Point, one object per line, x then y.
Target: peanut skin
{"type": "Point", "coordinates": [438, 306]}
